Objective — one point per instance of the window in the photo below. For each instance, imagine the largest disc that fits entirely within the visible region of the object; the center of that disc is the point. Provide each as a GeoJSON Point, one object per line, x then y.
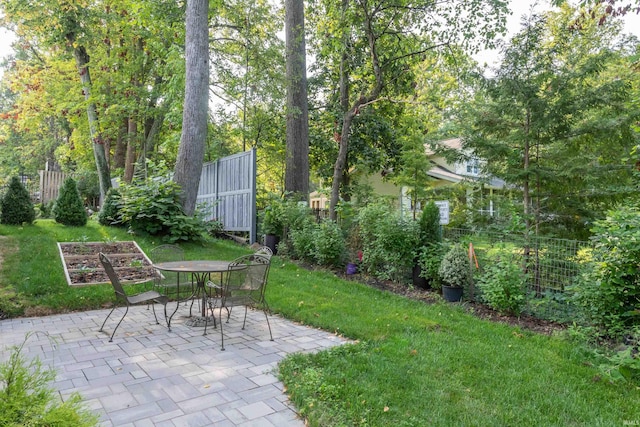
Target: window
{"type": "Point", "coordinates": [473, 167]}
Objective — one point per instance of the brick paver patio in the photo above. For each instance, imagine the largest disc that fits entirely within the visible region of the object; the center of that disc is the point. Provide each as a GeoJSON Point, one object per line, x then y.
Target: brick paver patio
{"type": "Point", "coordinates": [149, 376]}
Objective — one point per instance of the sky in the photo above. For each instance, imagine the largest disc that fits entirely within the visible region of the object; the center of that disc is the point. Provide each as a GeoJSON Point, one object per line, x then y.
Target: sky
{"type": "Point", "coordinates": [518, 7]}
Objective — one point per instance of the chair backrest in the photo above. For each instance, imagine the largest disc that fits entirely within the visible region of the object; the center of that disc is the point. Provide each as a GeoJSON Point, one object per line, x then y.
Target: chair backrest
{"type": "Point", "coordinates": [247, 276]}
{"type": "Point", "coordinates": [265, 251]}
{"type": "Point", "coordinates": [165, 253]}
{"type": "Point", "coordinates": [113, 277]}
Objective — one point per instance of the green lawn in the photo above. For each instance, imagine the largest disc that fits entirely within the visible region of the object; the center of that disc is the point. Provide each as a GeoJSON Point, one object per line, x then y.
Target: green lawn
{"type": "Point", "coordinates": [412, 364]}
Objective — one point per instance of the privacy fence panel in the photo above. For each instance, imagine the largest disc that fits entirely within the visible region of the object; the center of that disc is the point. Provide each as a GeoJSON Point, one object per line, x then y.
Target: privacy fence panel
{"type": "Point", "coordinates": [50, 183]}
{"type": "Point", "coordinates": [227, 192]}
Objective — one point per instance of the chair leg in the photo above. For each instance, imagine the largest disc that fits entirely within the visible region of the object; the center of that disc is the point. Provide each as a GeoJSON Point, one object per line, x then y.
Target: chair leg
{"type": "Point", "coordinates": [107, 318]}
{"type": "Point", "coordinates": [116, 328]}
{"type": "Point", "coordinates": [268, 324]}
{"type": "Point", "coordinates": [221, 333]}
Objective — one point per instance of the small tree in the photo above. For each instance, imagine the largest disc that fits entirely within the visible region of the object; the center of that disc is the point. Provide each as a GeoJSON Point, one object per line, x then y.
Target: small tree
{"type": "Point", "coordinates": [110, 212]}
{"type": "Point", "coordinates": [69, 209]}
{"type": "Point", "coordinates": [16, 206]}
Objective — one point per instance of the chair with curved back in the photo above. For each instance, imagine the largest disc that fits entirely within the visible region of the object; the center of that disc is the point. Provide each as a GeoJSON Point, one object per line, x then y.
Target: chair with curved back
{"type": "Point", "coordinates": [121, 295]}
{"type": "Point", "coordinates": [166, 282]}
{"type": "Point", "coordinates": [245, 284]}
{"type": "Point", "coordinates": [264, 250]}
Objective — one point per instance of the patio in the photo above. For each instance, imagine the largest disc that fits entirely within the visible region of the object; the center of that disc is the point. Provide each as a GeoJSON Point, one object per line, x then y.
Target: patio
{"type": "Point", "coordinates": [151, 377]}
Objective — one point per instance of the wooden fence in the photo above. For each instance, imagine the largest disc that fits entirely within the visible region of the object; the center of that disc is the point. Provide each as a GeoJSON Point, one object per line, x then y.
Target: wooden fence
{"type": "Point", "coordinates": [227, 192]}
{"type": "Point", "coordinates": [50, 183]}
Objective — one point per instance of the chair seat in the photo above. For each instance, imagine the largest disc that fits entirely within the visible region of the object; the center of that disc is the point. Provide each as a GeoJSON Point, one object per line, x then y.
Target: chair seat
{"type": "Point", "coordinates": [146, 296]}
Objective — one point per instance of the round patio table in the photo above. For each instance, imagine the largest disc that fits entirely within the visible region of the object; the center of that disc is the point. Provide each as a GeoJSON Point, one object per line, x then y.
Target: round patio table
{"type": "Point", "coordinates": [200, 271]}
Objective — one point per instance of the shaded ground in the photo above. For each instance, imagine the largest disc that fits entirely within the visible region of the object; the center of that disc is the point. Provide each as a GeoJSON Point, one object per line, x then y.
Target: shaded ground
{"type": "Point", "coordinates": [479, 310]}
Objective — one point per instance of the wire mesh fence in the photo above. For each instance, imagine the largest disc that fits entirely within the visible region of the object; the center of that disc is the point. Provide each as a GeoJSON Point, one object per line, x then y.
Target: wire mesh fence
{"type": "Point", "coordinates": [551, 265]}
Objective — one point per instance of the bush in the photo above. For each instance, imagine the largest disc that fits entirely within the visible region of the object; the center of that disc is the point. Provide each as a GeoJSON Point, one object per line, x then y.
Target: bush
{"type": "Point", "coordinates": [429, 225]}
{"type": "Point", "coordinates": [16, 206]}
{"type": "Point", "coordinates": [329, 244]}
{"type": "Point", "coordinates": [608, 291]}
{"type": "Point", "coordinates": [68, 209]}
{"type": "Point", "coordinates": [454, 269]}
{"type": "Point", "coordinates": [300, 240]}
{"type": "Point", "coordinates": [389, 242]}
{"type": "Point", "coordinates": [429, 259]}
{"type": "Point", "coordinates": [110, 212]}
{"type": "Point", "coordinates": [155, 208]}
{"type": "Point", "coordinates": [27, 400]}
{"type": "Point", "coordinates": [503, 285]}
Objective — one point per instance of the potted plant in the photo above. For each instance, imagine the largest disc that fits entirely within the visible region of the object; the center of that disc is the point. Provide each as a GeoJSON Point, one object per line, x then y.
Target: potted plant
{"type": "Point", "coordinates": [272, 225]}
{"type": "Point", "coordinates": [428, 254]}
{"type": "Point", "coordinates": [455, 273]}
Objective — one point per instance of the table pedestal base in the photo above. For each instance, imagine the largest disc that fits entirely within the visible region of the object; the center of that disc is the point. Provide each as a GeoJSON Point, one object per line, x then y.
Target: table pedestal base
{"type": "Point", "coordinates": [200, 321]}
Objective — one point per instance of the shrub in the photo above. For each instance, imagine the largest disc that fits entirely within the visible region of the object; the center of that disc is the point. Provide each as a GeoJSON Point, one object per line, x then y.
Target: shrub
{"type": "Point", "coordinates": [389, 242]}
{"type": "Point", "coordinates": [110, 211]}
{"type": "Point", "coordinates": [68, 209]}
{"type": "Point", "coordinates": [300, 240]}
{"type": "Point", "coordinates": [329, 244]}
{"type": "Point", "coordinates": [503, 285]}
{"type": "Point", "coordinates": [429, 225]}
{"type": "Point", "coordinates": [608, 290]}
{"type": "Point", "coordinates": [16, 206]}
{"type": "Point", "coordinates": [155, 208]}
{"type": "Point", "coordinates": [454, 269]}
{"type": "Point", "coordinates": [429, 258]}
{"type": "Point", "coordinates": [26, 399]}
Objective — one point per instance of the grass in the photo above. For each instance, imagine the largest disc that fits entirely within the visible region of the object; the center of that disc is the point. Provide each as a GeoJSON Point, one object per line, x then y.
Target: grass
{"type": "Point", "coordinates": [411, 363]}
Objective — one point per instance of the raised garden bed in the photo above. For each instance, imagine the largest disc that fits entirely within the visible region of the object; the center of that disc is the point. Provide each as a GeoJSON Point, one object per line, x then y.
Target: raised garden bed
{"type": "Point", "coordinates": [82, 266]}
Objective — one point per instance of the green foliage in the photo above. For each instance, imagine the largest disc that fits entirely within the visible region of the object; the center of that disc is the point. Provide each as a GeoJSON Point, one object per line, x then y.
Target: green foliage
{"type": "Point", "coordinates": [301, 238]}
{"type": "Point", "coordinates": [329, 244]}
{"type": "Point", "coordinates": [15, 205]}
{"type": "Point", "coordinates": [110, 211]}
{"type": "Point", "coordinates": [68, 209]}
{"type": "Point", "coordinates": [273, 217]}
{"type": "Point", "coordinates": [503, 285]}
{"type": "Point", "coordinates": [454, 269]}
{"type": "Point", "coordinates": [429, 224]}
{"type": "Point", "coordinates": [88, 187]}
{"type": "Point", "coordinates": [608, 292]}
{"type": "Point", "coordinates": [154, 207]}
{"type": "Point", "coordinates": [26, 399]}
{"type": "Point", "coordinates": [624, 364]}
{"type": "Point", "coordinates": [389, 242]}
{"type": "Point", "coordinates": [429, 258]}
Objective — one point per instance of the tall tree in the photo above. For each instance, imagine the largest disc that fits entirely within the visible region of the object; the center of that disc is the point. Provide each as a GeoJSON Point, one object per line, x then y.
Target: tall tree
{"type": "Point", "coordinates": [196, 98]}
{"type": "Point", "coordinates": [297, 164]}
{"type": "Point", "coordinates": [371, 47]}
{"type": "Point", "coordinates": [67, 27]}
{"type": "Point", "coordinates": [557, 119]}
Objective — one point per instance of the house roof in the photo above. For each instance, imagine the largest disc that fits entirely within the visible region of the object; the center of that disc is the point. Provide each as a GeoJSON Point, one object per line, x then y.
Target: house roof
{"type": "Point", "coordinates": [452, 143]}
{"type": "Point", "coordinates": [439, 172]}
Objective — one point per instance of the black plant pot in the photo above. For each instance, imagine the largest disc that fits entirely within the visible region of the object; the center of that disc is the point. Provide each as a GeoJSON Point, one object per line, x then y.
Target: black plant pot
{"type": "Point", "coordinates": [271, 241]}
{"type": "Point", "coordinates": [451, 293]}
{"type": "Point", "coordinates": [419, 281]}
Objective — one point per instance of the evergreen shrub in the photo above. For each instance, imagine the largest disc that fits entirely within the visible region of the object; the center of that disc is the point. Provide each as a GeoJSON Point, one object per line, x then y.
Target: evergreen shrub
{"type": "Point", "coordinates": [15, 206]}
{"type": "Point", "coordinates": [69, 209]}
{"type": "Point", "coordinates": [110, 212]}
{"type": "Point", "coordinates": [27, 399]}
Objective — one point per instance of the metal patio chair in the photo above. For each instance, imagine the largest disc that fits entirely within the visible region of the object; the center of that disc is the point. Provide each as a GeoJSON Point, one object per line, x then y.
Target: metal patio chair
{"type": "Point", "coordinates": [121, 295]}
{"type": "Point", "coordinates": [245, 284]}
{"type": "Point", "coordinates": [166, 282]}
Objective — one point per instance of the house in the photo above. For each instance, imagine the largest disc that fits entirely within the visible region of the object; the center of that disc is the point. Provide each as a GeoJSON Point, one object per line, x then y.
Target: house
{"type": "Point", "coordinates": [444, 173]}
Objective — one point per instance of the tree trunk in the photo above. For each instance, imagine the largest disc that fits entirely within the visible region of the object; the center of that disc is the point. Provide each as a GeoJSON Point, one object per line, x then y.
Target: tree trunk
{"type": "Point", "coordinates": [102, 166]}
{"type": "Point", "coordinates": [341, 161]}
{"type": "Point", "coordinates": [120, 152]}
{"type": "Point", "coordinates": [194, 118]}
{"type": "Point", "coordinates": [132, 136]}
{"type": "Point", "coordinates": [296, 179]}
